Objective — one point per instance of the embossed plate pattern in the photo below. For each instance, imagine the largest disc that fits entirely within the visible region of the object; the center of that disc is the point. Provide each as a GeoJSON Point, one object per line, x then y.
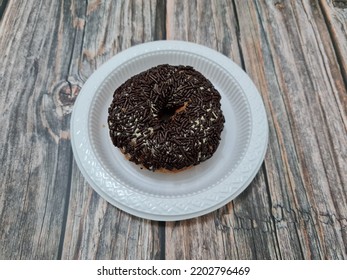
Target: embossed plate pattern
{"type": "Point", "coordinates": [191, 193]}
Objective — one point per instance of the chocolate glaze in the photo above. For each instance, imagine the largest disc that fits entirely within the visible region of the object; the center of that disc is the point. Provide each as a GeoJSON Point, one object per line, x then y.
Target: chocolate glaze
{"type": "Point", "coordinates": [168, 117]}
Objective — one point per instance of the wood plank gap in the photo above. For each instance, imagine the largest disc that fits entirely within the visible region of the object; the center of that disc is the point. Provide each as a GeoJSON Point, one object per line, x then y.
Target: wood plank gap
{"type": "Point", "coordinates": [238, 34]}
{"type": "Point", "coordinates": [70, 161]}
{"type": "Point", "coordinates": [160, 33]}
{"type": "Point", "coordinates": [160, 21]}
{"type": "Point", "coordinates": [66, 208]}
{"type": "Point", "coordinates": [162, 240]}
{"type": "Point", "coordinates": [3, 5]}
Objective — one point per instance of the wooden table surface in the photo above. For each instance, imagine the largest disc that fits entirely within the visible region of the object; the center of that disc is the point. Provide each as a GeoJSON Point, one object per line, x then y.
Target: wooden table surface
{"type": "Point", "coordinates": [294, 51]}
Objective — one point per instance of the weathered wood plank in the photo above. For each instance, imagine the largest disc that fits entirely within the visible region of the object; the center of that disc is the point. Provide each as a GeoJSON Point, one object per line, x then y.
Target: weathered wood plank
{"type": "Point", "coordinates": [232, 232]}
{"type": "Point", "coordinates": [35, 149]}
{"type": "Point", "coordinates": [308, 124]}
{"type": "Point", "coordinates": [47, 210]}
{"type": "Point", "coordinates": [296, 207]}
{"type": "Point", "coordinates": [211, 23]}
{"type": "Point", "coordinates": [293, 50]}
{"type": "Point", "coordinates": [95, 229]}
{"type": "Point", "coordinates": [335, 15]}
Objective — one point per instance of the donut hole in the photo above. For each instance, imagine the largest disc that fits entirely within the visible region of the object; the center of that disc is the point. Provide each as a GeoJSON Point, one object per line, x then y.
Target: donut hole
{"type": "Point", "coordinates": [167, 112]}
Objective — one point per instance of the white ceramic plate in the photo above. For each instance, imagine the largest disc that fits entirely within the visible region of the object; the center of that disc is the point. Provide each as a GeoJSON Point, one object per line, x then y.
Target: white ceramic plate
{"type": "Point", "coordinates": [191, 193]}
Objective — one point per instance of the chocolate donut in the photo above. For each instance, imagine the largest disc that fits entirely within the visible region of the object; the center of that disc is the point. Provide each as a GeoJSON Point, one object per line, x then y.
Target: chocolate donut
{"type": "Point", "coordinates": [167, 118]}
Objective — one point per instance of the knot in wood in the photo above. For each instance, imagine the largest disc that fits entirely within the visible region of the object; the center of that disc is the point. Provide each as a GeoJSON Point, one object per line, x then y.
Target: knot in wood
{"type": "Point", "coordinates": [68, 94]}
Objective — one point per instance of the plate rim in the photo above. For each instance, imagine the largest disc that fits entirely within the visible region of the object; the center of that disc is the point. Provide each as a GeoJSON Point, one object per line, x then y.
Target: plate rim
{"type": "Point", "coordinates": [166, 45]}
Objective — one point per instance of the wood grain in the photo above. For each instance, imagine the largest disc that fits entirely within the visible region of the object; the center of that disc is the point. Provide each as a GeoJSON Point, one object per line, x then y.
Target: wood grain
{"type": "Point", "coordinates": [307, 126]}
{"type": "Point", "coordinates": [336, 21]}
{"type": "Point", "coordinates": [49, 50]}
{"type": "Point", "coordinates": [296, 207]}
{"type": "Point", "coordinates": [35, 148]}
{"type": "Point", "coordinates": [95, 229]}
{"type": "Point", "coordinates": [305, 113]}
{"type": "Point", "coordinates": [294, 51]}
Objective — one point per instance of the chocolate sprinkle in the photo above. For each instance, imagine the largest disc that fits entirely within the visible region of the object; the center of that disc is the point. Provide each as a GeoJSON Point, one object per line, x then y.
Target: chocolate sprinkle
{"type": "Point", "coordinates": [168, 117]}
